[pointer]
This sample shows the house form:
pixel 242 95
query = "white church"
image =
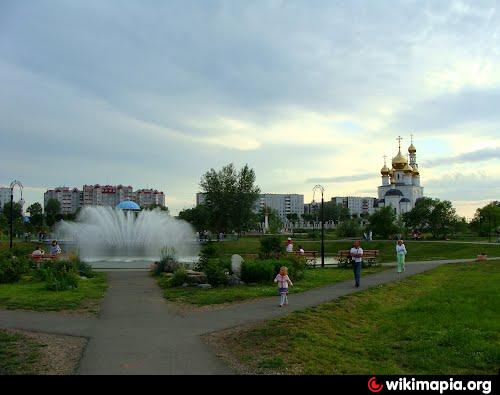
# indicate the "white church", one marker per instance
pixel 401 183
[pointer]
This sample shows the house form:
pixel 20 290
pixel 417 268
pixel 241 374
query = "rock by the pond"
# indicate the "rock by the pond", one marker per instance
pixel 205 286
pixel 195 277
pixel 236 261
pixel 235 280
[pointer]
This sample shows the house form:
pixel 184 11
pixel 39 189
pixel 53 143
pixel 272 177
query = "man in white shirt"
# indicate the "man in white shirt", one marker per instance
pixel 357 259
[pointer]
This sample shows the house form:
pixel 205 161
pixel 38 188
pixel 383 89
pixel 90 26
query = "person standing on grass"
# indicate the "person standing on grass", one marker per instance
pixel 356 259
pixel 289 245
pixel 283 280
pixel 400 255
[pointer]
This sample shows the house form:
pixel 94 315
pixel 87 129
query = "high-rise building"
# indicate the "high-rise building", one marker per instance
pixel 284 204
pixel 4 196
pixel 357 206
pixel 102 195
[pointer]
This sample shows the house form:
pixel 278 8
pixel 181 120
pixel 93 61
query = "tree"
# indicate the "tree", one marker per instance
pixel 36 214
pixel 229 197
pixel 155 206
pixel 17 211
pixel 198 216
pixel 52 210
pixel 335 212
pixel 486 219
pixel 432 215
pixel 382 222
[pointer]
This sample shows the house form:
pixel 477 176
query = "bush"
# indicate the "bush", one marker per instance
pixel 270 246
pixel 180 277
pixel 168 262
pixel 60 275
pixel 314 234
pixel 61 280
pixel 349 228
pixel 12 267
pixel 296 265
pixel 257 271
pixel 83 269
pixel 217 271
pixel 208 251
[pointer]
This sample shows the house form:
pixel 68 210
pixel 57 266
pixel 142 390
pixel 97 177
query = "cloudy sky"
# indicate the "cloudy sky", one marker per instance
pixel 155 93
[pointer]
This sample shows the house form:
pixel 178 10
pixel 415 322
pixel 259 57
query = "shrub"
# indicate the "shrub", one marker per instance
pixel 314 234
pixel 60 275
pixel 270 245
pixel 83 269
pixel 12 268
pixel 168 262
pixel 296 265
pixel 257 271
pixel 208 251
pixel 179 277
pixel 217 271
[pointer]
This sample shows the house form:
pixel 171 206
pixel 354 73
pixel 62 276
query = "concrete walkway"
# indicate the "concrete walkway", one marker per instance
pixel 137 332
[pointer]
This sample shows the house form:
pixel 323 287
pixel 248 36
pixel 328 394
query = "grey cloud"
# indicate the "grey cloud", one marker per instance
pixel 476 186
pixel 341 179
pixel 474 156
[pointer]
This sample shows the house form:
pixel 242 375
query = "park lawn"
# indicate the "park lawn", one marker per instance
pixel 313 278
pixel 18 354
pixel 417 250
pixel 33 296
pixel 445 321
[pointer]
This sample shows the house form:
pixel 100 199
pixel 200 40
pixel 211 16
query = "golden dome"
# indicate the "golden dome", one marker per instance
pixel 408 169
pixel 415 171
pixel 385 170
pixel 412 149
pixel 399 161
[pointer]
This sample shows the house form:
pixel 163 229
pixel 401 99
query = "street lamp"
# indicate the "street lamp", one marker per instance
pixel 322 190
pixel 12 185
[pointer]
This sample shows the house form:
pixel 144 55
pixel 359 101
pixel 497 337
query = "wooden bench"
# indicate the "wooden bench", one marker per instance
pixel 44 257
pixel 369 258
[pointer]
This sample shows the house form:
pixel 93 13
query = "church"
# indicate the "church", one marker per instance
pixel 401 183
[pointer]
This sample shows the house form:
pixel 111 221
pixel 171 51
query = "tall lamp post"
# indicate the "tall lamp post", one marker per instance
pixel 322 190
pixel 12 185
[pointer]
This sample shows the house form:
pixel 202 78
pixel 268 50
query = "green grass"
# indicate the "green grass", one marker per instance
pixel 18 353
pixel 33 295
pixel 313 278
pixel 417 250
pixel 445 321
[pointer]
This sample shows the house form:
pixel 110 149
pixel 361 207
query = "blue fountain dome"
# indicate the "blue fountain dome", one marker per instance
pixel 128 205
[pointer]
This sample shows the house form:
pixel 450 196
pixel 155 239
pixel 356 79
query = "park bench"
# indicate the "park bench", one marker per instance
pixel 44 257
pixel 369 258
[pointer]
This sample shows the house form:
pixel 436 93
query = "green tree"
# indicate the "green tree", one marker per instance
pixel 486 219
pixel 198 216
pixel 17 211
pixel 432 215
pixel 349 228
pixel 230 196
pixel 335 212
pixel 52 210
pixel 156 206
pixel 36 214
pixel 383 222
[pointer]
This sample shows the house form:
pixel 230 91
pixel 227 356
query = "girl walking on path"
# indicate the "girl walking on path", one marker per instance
pixel 283 280
pixel 400 254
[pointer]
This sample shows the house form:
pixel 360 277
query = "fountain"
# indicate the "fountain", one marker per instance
pixel 112 237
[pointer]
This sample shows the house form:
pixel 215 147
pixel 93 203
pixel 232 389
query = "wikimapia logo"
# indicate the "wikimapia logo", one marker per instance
pixel 404 384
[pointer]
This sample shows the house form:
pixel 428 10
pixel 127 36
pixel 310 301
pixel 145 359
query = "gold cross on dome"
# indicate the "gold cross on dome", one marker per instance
pixel 399 140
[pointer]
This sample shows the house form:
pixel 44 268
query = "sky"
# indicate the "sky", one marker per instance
pixel 155 93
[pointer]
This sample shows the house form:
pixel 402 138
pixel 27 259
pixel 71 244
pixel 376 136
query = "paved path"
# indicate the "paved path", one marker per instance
pixel 137 332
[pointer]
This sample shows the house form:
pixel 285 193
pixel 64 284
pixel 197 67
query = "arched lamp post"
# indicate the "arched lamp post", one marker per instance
pixel 12 185
pixel 322 190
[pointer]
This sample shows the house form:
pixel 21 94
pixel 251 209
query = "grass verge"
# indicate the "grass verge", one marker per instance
pixel 33 296
pixel 445 321
pixel 313 278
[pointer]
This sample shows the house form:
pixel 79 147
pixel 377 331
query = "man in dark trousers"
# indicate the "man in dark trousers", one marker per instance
pixel 356 259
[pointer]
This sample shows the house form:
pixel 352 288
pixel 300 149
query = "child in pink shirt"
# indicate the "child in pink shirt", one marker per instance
pixel 283 280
